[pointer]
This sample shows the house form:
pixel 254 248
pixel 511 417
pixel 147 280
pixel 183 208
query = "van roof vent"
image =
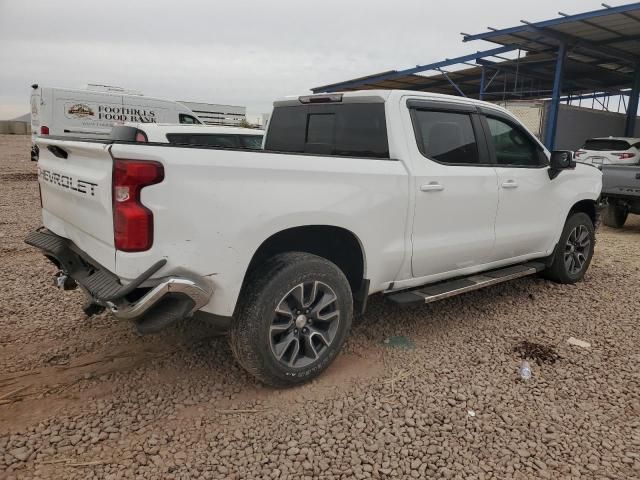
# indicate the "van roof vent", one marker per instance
pixel 94 87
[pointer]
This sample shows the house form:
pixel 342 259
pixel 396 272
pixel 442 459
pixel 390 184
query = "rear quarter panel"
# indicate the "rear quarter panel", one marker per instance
pixel 216 207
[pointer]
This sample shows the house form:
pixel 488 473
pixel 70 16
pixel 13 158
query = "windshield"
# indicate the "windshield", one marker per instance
pixel 606 145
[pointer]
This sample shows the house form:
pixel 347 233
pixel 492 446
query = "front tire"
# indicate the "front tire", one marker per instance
pixel 574 251
pixel 295 314
pixel 615 216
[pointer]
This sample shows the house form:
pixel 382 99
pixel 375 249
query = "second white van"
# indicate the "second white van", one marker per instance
pixel 93 111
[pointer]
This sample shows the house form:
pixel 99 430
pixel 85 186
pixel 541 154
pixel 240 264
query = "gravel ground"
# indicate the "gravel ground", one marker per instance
pixel 88 398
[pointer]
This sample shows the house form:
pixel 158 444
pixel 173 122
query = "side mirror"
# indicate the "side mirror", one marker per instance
pixel 560 160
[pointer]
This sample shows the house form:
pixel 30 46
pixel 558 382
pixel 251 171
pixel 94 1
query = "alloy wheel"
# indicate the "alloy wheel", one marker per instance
pixel 577 250
pixel 305 324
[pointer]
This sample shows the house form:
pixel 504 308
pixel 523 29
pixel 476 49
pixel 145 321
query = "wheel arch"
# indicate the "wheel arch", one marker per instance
pixel 587 206
pixel 336 244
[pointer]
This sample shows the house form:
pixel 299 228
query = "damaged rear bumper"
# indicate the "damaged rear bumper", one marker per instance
pixel 171 298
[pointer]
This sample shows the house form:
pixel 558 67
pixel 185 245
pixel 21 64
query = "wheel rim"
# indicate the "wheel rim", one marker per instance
pixel 305 324
pixel 577 249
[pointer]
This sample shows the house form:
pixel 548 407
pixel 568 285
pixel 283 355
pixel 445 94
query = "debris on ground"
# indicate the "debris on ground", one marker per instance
pixel 399 341
pixel 525 371
pixel 537 352
pixel 578 342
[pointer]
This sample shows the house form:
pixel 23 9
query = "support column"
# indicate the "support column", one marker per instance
pixel 632 110
pixel 483 79
pixel 552 123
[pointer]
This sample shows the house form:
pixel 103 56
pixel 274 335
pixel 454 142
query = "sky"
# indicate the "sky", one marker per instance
pixel 241 52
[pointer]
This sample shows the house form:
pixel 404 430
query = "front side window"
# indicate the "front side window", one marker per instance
pixel 446 137
pixel 512 145
pixel 188 119
pixel 338 129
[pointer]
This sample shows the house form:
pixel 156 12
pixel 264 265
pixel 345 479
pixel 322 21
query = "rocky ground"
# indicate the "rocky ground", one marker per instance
pixel 88 398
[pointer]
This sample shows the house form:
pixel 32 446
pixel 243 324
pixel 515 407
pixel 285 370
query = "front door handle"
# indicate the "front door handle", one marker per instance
pixel 510 184
pixel 431 187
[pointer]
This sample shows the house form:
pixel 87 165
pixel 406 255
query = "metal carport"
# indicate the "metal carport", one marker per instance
pixel 593 55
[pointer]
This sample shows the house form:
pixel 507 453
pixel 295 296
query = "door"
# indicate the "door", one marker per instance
pixel 456 190
pixel 525 223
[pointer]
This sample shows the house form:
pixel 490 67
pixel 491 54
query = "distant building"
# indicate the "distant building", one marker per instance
pixel 213 114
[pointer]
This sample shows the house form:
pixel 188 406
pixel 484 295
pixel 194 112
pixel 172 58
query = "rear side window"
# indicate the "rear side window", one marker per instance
pixel 446 137
pixel 602 145
pixel 353 130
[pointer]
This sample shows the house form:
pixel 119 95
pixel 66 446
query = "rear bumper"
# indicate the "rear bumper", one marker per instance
pixel 129 301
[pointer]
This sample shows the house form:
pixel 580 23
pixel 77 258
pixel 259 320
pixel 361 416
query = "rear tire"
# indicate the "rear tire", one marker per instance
pixel 574 251
pixel 615 216
pixel 295 314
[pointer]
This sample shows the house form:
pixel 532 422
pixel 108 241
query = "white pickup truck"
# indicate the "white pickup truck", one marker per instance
pixel 419 196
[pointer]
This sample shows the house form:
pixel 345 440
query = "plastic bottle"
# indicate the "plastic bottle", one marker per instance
pixel 525 371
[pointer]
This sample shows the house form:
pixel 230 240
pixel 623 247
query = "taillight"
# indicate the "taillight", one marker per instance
pixel 579 153
pixel 624 156
pixel 132 221
pixel 44 130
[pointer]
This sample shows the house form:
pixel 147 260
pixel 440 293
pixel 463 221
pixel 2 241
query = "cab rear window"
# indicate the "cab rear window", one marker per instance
pixel 606 145
pixel 353 130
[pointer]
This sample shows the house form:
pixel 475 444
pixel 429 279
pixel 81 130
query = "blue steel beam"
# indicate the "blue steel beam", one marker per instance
pixel 552 124
pixel 536 73
pixel 598 95
pixel 586 45
pixel 335 87
pixel 632 110
pixel 453 84
pixel 556 21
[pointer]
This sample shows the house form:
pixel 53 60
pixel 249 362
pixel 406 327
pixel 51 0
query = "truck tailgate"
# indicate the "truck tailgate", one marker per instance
pixel 76 195
pixel 621 180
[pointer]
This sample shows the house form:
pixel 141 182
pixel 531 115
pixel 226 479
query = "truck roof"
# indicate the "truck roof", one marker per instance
pixel 380 96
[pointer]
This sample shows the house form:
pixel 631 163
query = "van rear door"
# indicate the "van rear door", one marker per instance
pixel 75 182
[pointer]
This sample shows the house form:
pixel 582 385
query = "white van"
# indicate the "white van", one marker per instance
pixel 91 112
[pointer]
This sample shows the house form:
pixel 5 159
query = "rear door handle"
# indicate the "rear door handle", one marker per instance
pixel 510 184
pixel 431 187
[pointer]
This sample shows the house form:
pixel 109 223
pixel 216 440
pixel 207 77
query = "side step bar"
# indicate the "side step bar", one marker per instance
pixel 451 288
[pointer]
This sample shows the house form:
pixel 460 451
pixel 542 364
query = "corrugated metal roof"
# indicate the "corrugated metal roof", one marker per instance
pixel 603 54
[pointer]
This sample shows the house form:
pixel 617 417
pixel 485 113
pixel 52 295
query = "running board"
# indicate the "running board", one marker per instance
pixel 450 288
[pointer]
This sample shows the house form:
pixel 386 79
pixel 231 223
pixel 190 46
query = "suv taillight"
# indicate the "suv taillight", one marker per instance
pixel 624 156
pixel 132 221
pixel 44 130
pixel 580 153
